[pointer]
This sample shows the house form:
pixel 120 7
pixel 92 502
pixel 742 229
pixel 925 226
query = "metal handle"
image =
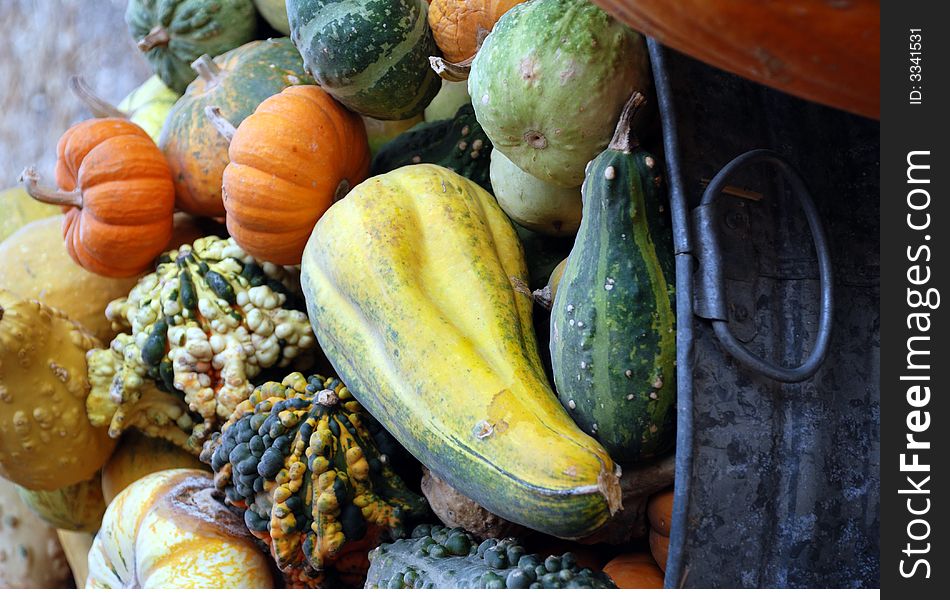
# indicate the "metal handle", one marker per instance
pixel 712 304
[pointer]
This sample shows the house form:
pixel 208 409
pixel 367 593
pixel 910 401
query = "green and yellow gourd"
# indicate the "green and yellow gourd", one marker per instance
pixel 371 56
pixel 442 558
pixel 613 339
pixel 549 82
pixel 173 33
pixel 458 144
pixel 301 456
pixel 409 282
pixel 76 507
pixel 149 104
pixel 17 208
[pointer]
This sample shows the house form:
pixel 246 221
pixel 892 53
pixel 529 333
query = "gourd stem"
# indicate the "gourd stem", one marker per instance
pixel 543 297
pixel 96 105
pixel 450 71
pixel 155 38
pixel 327 398
pixel 206 68
pixel 31 181
pixel 624 139
pixel 342 189
pixel 224 127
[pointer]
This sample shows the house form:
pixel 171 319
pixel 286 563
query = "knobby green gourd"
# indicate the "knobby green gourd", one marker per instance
pixel 613 320
pixel 443 558
pixel 307 464
pixel 173 33
pixel 549 82
pixel 372 56
pixel 458 144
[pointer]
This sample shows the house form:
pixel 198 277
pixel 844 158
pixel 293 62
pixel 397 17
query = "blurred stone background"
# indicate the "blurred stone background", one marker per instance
pixel 46 41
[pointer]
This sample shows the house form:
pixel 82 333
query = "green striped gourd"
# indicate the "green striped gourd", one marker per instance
pixel 371 55
pixel 612 323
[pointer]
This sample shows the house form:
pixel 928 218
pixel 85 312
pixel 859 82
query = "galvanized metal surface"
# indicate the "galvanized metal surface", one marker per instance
pixel 777 485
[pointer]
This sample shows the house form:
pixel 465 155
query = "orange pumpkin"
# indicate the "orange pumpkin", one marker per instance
pixel 118 195
pixel 660 512
pixel 295 156
pixel 659 548
pixel 459 26
pixel 636 570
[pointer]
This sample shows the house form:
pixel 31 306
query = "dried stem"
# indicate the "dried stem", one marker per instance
pixel 206 68
pixel 624 139
pixel 96 105
pixel 450 71
pixel 155 38
pixel 31 181
pixel 224 127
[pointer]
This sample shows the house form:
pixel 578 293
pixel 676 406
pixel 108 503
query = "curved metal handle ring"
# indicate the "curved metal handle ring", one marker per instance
pixel 721 327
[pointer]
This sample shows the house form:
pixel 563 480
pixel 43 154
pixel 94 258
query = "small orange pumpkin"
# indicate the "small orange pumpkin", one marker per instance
pixel 659 548
pixel 636 570
pixel 297 154
pixel 459 26
pixel 660 511
pixel 117 192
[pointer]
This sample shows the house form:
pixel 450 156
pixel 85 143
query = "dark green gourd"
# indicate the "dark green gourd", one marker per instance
pixel 613 339
pixel 443 558
pixel 372 56
pixel 458 144
pixel 173 33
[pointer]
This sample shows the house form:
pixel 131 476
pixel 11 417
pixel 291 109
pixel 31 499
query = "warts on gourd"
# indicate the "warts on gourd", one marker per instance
pixel 304 460
pixel 203 325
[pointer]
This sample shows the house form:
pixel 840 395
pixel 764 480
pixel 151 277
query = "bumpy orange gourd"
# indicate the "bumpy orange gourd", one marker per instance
pixel 458 26
pixel 296 155
pixel 118 194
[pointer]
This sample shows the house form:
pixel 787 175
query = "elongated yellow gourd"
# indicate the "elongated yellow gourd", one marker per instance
pixel 411 289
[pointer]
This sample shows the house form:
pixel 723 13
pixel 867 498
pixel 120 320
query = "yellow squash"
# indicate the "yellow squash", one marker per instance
pixel 410 288
pixel 46 440
pixel 17 209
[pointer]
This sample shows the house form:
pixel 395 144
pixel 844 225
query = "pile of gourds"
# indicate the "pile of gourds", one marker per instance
pixel 265 208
